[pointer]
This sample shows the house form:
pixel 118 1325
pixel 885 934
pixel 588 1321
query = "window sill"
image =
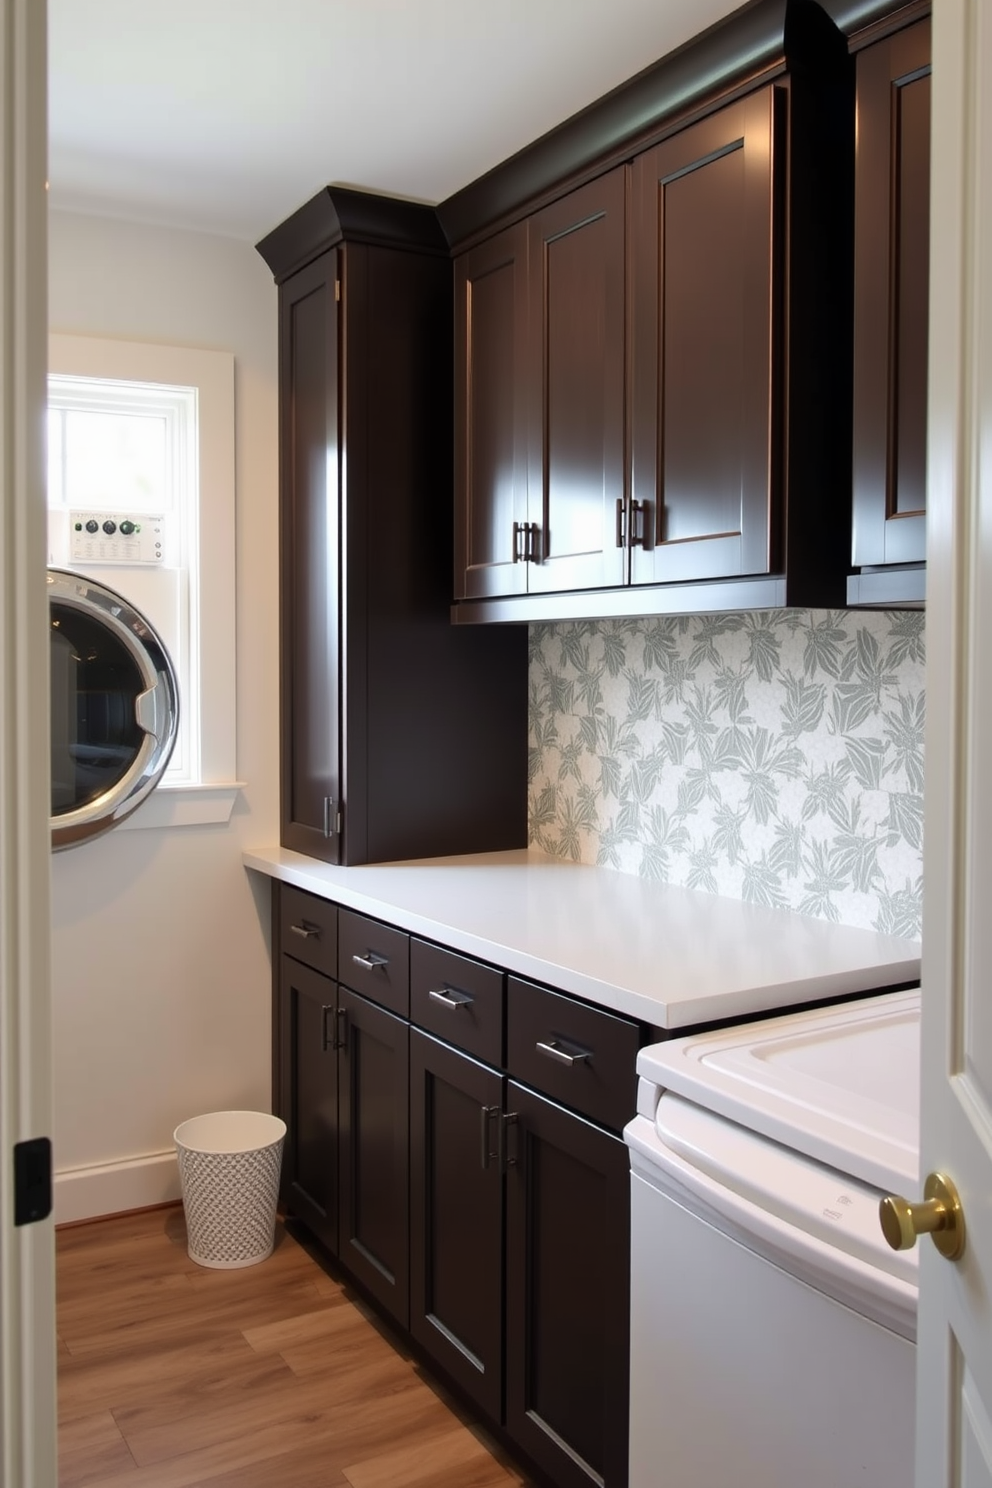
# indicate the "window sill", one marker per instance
pixel 185 806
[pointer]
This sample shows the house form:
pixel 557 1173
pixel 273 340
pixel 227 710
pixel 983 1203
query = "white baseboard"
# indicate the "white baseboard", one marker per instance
pixel 112 1188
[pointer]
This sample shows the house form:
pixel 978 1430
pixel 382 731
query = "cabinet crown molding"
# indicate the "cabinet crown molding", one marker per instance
pixel 340 214
pixel 755 44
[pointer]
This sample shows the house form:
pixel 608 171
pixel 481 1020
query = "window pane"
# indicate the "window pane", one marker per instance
pixel 115 459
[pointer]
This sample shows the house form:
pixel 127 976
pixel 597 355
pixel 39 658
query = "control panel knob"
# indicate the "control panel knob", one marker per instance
pixel 109 527
pixel 92 526
pixel 126 528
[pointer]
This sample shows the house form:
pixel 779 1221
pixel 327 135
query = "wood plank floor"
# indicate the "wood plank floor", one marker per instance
pixel 276 1376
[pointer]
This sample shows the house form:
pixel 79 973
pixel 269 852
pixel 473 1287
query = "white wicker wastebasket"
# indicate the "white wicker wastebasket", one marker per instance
pixel 229 1167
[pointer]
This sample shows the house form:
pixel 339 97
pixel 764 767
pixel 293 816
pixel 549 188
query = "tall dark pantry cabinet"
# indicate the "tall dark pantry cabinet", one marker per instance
pixel 400 736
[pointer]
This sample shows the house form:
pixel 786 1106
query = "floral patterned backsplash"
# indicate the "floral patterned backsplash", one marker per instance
pixel 770 756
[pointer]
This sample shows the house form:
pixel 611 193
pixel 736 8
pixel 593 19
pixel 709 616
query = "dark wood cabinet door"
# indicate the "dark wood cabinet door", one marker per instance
pixel 891 291
pixel 456 1217
pixel 567 1293
pixel 704 420
pixel 490 416
pixel 309 1097
pixel 576 393
pixel 309 559
pixel 374 1191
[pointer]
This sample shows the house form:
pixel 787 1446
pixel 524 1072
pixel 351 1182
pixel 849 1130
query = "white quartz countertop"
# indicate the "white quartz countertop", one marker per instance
pixel 669 956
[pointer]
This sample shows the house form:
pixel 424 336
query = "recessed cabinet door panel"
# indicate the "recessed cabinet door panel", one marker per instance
pixel 567 1270
pixel 703 417
pixel 309 1097
pixel 490 414
pixel 577 396
pixel 456 1218
pixel 892 268
pixel 310 671
pixel 374 1126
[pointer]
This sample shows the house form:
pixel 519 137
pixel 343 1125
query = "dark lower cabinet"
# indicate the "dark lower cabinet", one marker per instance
pixel 308 1079
pixel 343 1080
pixel 488 1219
pixel 456 1214
pixel 567 1293
pixel 372 1143
pixel 556 1289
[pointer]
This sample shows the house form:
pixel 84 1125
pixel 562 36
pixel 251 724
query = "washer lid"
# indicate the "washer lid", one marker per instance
pixel 840 1084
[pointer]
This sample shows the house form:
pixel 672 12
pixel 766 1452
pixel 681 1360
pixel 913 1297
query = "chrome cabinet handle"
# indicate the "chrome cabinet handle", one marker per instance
pixel 509 1127
pixel 552 1050
pixel 306 930
pixel 450 997
pixel 341 1028
pixel 487 1113
pixel 338 1038
pixel 527 551
pixel 632 538
pixel 370 960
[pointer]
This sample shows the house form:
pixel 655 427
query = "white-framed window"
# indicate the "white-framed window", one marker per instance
pixel 144 433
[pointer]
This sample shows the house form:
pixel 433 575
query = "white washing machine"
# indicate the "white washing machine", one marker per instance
pixel 772 1329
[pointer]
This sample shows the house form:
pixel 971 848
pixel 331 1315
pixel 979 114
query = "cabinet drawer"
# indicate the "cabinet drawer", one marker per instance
pixel 458 1000
pixel 374 959
pixel 577 1054
pixel 308 929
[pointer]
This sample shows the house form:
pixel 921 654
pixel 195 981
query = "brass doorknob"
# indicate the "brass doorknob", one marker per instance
pixel 940 1215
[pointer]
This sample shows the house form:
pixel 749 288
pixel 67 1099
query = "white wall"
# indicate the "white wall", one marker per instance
pixel 160 939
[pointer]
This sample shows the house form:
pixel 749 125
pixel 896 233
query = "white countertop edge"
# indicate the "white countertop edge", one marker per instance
pixel 846 959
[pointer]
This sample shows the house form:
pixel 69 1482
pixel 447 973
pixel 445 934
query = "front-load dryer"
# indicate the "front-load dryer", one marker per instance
pixel 114 707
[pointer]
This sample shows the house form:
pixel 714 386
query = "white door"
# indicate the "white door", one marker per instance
pixel 27 1276
pixel 954 1360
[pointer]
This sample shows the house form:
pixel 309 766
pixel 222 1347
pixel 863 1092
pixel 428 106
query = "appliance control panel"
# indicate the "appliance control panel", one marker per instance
pixel 116 537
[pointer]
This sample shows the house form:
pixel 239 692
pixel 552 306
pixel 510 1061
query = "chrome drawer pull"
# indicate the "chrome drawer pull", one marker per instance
pixel 306 930
pixel 561 1055
pixel 370 960
pixel 450 998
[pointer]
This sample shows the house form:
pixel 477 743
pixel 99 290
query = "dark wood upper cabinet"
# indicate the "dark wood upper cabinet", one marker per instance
pixel 310 454
pixel 892 229
pixel 706 212
pixel 688 356
pixel 576 396
pixel 400 736
pixel 539 338
pixel 491 416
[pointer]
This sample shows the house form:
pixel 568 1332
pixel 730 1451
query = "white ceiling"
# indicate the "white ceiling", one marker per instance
pixel 225 115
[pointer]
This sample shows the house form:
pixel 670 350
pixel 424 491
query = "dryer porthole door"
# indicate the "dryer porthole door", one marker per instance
pixel 114 707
